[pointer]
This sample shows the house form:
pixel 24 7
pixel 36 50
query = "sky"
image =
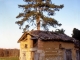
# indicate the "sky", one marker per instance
pixel 69 16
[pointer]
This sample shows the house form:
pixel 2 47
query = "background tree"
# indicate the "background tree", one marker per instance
pixel 9 52
pixel 76 34
pixel 1 53
pixel 38 13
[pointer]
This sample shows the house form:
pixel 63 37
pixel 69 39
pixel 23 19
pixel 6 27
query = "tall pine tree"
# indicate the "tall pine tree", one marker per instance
pixel 38 11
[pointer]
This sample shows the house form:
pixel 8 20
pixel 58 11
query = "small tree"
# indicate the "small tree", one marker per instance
pixel 38 11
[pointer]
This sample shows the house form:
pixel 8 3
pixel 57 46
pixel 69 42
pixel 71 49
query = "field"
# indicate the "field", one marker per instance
pixel 9 58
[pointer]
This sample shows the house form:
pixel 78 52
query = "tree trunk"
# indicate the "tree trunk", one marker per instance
pixel 38 23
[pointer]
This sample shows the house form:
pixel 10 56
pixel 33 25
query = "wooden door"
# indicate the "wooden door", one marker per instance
pixel 36 56
pixel 68 54
pixel 77 54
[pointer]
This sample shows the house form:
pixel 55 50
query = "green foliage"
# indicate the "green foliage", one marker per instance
pixel 33 9
pixel 9 58
pixel 76 34
pixel 60 31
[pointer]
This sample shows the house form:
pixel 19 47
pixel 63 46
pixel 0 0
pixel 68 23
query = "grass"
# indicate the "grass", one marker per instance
pixel 9 58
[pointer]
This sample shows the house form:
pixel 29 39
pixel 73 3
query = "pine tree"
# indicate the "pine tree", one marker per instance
pixel 38 11
pixel 60 31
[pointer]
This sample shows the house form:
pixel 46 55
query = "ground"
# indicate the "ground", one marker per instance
pixel 9 58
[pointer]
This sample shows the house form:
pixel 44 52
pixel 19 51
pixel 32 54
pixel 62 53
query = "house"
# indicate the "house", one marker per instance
pixel 47 45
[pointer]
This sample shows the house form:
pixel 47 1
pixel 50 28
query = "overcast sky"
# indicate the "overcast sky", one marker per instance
pixel 69 16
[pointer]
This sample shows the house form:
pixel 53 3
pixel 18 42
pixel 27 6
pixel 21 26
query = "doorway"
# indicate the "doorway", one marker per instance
pixel 77 54
pixel 68 54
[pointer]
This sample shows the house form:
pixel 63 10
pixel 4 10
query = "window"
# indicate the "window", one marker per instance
pixel 25 45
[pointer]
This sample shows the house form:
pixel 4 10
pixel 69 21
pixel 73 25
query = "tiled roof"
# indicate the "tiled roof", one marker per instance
pixel 48 35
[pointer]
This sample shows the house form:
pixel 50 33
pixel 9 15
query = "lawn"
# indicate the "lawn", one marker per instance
pixel 9 58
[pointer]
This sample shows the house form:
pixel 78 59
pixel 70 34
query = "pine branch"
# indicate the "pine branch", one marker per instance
pixel 34 9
